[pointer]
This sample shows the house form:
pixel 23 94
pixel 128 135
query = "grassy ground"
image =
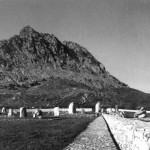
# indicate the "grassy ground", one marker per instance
pixel 45 134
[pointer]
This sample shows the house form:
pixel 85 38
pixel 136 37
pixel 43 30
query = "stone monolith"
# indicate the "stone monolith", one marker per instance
pixel 3 110
pixel 97 107
pixel 71 108
pixel 10 112
pixel 23 112
pixel 56 111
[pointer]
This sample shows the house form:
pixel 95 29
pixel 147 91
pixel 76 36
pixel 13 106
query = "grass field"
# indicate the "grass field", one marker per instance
pixel 45 134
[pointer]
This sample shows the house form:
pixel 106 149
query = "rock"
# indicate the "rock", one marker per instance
pixel 3 110
pixel 23 112
pixel 97 107
pixel 71 108
pixel 109 110
pixel 34 115
pixel 82 111
pixel 10 112
pixel 56 111
pixel 21 53
pixel 38 114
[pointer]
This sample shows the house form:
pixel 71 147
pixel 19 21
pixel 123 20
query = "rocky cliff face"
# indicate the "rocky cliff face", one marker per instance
pixel 31 56
pixel 48 72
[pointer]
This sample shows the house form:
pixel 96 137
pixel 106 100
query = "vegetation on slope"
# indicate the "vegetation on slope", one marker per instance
pixel 38 70
pixel 32 56
pixel 59 92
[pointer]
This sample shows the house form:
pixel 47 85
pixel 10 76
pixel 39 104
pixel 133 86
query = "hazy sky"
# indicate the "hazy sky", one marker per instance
pixel 116 32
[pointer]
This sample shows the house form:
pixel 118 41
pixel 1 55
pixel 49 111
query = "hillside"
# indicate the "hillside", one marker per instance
pixel 38 70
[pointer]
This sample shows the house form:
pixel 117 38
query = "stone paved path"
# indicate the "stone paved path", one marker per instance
pixel 95 137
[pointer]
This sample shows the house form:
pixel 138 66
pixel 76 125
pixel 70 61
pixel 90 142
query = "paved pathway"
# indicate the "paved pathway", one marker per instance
pixel 95 137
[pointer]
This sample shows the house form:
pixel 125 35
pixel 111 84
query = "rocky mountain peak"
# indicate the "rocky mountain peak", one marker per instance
pixel 48 72
pixel 26 32
pixel 26 57
pixel 27 28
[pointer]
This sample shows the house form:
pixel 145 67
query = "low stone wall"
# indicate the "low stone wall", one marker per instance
pixel 130 134
pixel 52 110
pixel 129 110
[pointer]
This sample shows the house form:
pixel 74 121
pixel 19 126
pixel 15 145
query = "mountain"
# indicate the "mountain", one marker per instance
pixel 38 70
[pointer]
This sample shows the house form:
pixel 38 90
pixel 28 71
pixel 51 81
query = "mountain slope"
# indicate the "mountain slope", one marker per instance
pixel 37 69
pixel 23 55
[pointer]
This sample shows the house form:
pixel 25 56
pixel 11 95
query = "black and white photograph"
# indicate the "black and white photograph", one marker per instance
pixel 74 74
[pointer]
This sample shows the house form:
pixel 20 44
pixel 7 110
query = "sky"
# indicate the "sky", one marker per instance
pixel 116 32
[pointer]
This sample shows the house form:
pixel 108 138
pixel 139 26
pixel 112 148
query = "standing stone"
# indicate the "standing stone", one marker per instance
pixel 82 111
pixel 38 113
pixel 3 110
pixel 71 108
pixel 10 112
pixel 109 110
pixel 113 110
pixel 116 109
pixel 23 112
pixel 56 111
pixel 34 115
pixel 97 107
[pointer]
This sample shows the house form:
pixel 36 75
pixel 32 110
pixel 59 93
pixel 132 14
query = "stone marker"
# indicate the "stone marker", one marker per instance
pixel 113 110
pixel 109 110
pixel 56 111
pixel 34 115
pixel 82 111
pixel 3 110
pixel 38 113
pixel 97 107
pixel 116 109
pixel 71 108
pixel 23 112
pixel 10 112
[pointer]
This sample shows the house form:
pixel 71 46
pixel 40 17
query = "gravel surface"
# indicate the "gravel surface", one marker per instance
pixel 95 137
